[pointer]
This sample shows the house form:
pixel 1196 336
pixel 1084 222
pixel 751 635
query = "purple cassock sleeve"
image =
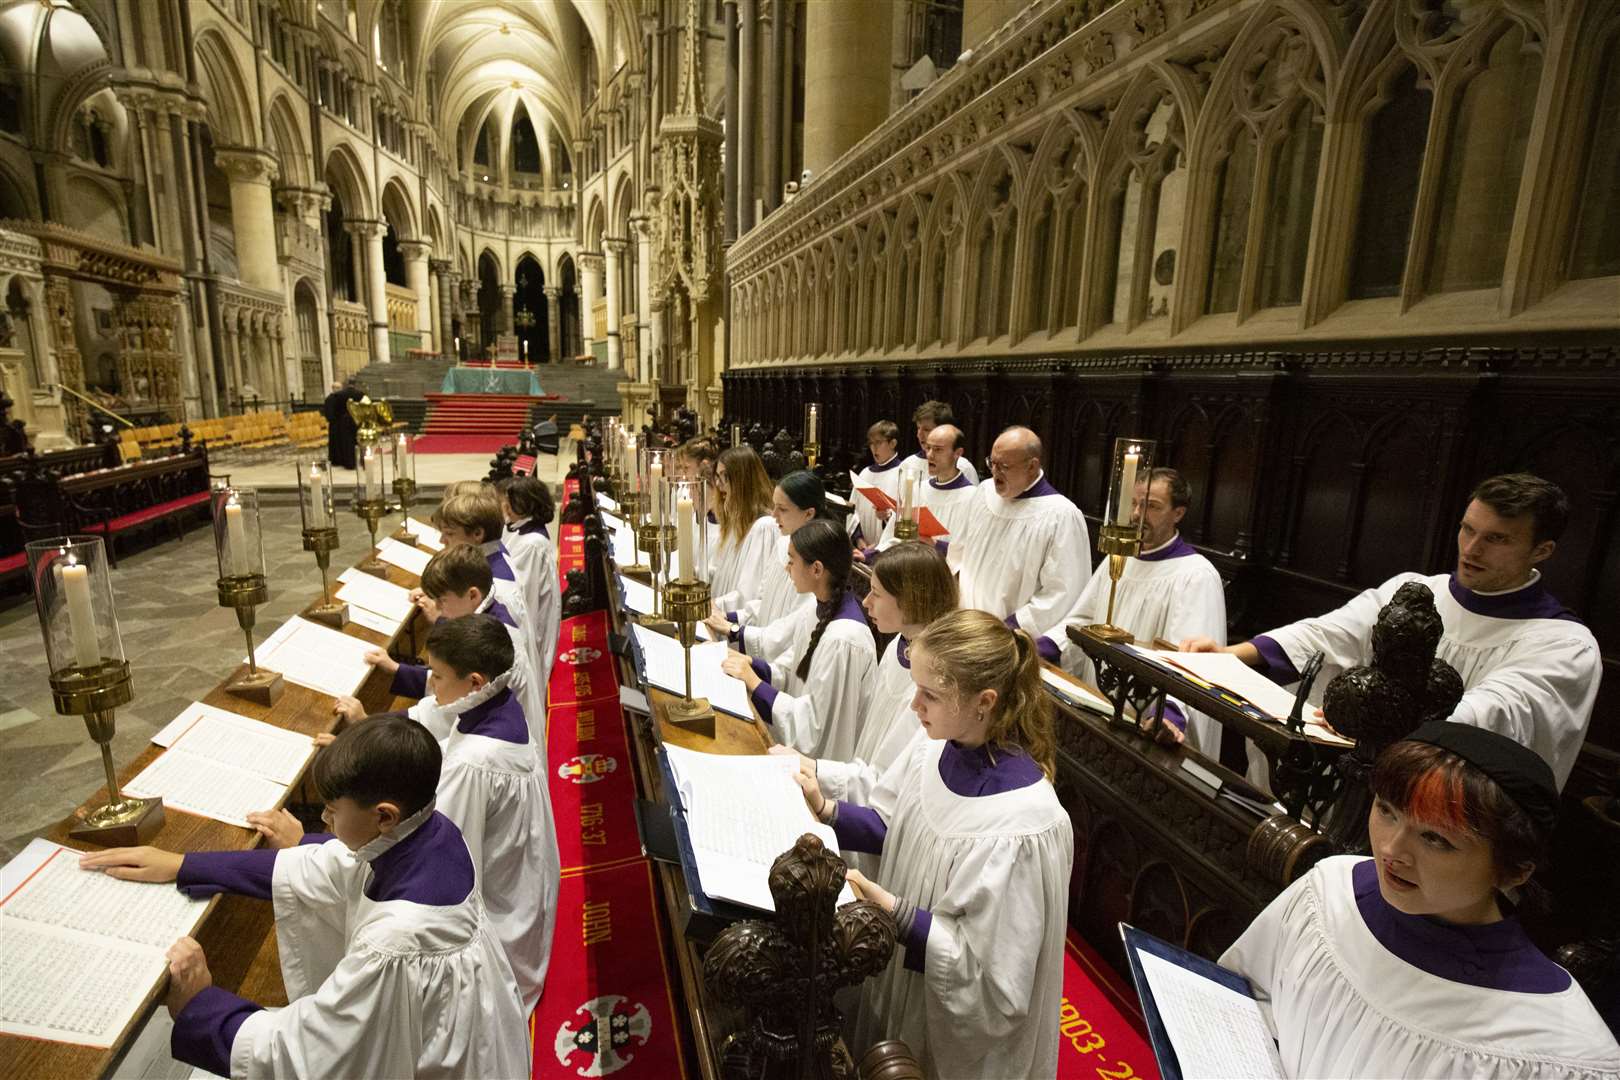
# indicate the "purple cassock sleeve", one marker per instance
pixel 916 939
pixel 246 873
pixel 1011 621
pixel 410 681
pixel 1048 649
pixel 1173 713
pixel 859 828
pixel 1274 661
pixel 206 1028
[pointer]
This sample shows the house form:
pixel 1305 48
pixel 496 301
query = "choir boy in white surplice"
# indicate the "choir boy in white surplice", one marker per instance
pixel 762 628
pixel 1409 963
pixel 815 695
pixel 389 960
pixel 928 416
pixel 975 856
pixel 911 586
pixel 1024 553
pixel 1169 591
pixel 474 519
pixel 527 506
pixel 1530 668
pixel 883 439
pixel 493 785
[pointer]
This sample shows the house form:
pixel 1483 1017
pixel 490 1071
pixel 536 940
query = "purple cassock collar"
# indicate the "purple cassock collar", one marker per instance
pixel 902 651
pixel 499 568
pixel 893 463
pixel 499 612
pixel 501 717
pixel 430 866
pixel 1177 548
pixel 1496 956
pixel 973 772
pixel 1040 488
pixel 848 608
pixel 961 481
pixel 530 527
pixel 1531 602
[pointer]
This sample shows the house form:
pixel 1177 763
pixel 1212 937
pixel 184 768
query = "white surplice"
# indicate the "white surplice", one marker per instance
pixel 884 477
pixel 765 628
pixel 1172 593
pixel 951 503
pixel 495 791
pixel 1028 557
pixel 1341 1004
pixel 821 714
pixel 737 571
pixel 886 730
pixel 1532 679
pixel 387 988
pixel 993 872
pixel 534 561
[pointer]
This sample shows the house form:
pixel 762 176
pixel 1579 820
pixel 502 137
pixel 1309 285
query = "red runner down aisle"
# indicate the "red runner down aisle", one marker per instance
pixel 607 1009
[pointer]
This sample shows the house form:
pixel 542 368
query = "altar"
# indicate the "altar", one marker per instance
pixel 491 380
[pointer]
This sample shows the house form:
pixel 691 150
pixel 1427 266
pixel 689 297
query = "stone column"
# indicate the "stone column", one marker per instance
pixel 642 228
pixel 436 327
pixel 508 322
pixel 554 323
pixel 846 76
pixel 371 232
pixel 416 272
pixel 772 48
pixel 747 111
pixel 253 217
pixel 732 104
pixel 590 291
pixel 444 291
pixel 614 249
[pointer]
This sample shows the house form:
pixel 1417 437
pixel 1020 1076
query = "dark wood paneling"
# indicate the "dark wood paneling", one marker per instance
pixel 1314 474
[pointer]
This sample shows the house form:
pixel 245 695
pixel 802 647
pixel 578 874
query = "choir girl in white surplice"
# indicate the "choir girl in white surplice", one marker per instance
pixel 761 628
pixel 1411 962
pixel 815 694
pixel 744 532
pixel 976 854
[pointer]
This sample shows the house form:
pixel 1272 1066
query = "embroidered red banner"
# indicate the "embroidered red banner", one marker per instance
pixel 1099 1023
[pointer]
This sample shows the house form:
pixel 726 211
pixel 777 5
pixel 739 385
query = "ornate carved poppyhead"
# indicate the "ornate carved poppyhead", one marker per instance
pixel 1406 635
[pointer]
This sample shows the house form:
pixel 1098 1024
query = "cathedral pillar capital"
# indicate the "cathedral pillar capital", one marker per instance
pixel 364 229
pixel 415 250
pixel 246 164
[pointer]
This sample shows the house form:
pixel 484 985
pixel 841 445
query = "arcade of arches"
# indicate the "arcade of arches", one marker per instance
pixel 204 201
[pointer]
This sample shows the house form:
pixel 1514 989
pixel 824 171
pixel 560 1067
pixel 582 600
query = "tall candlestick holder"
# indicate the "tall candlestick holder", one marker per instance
pixel 372 418
pixel 320 536
pixel 812 433
pixel 404 448
pixel 239 548
pixel 1121 534
pixel 687 599
pixel 89 674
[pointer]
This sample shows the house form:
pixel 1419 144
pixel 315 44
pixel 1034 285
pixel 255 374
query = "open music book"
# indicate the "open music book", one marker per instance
pixel 881 500
pixel 80 950
pixel 1202 1019
pixel 315 656
pixel 1226 672
pixel 359 589
pixel 412 560
pixel 223 766
pixel 639 598
pixel 663 666
pixel 742 812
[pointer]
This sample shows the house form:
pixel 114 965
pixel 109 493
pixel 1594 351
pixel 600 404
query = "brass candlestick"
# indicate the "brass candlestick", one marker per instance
pixel 372 511
pixel 905 528
pixel 333 613
pixel 1121 534
pixel 656 542
pixel 632 504
pixel 686 603
pixel 810 451
pixel 245 594
pixel 1118 544
pixel 89 674
pixel 405 492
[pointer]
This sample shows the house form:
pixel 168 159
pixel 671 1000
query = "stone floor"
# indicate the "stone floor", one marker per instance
pixel 179 642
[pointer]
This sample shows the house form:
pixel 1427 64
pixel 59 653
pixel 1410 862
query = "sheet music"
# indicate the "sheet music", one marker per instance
pixel 203 786
pixel 665 669
pixel 742 812
pixel 1228 672
pixel 425 534
pixel 622 540
pixel 316 656
pixel 1075 693
pixel 637 597
pixel 238 741
pixel 1216 1031
pixel 79 951
pixel 412 560
pixel 605 503
pixel 389 601
pixel 880 499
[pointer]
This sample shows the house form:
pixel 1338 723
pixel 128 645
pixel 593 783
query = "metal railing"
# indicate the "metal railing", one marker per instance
pixel 94 404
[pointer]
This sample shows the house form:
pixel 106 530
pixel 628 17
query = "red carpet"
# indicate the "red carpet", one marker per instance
pixel 462 444
pixel 487 416
pixel 1100 1025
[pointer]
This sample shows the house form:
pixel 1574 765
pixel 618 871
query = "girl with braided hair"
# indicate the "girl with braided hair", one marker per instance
pixel 816 692
pixel 975 854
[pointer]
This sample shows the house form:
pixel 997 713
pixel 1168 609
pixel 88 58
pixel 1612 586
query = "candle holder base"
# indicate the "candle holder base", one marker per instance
pixel 373 566
pixel 335 615
pixel 404 536
pixel 260 687
pixel 693 715
pixel 1111 634
pixel 905 529
pixel 129 822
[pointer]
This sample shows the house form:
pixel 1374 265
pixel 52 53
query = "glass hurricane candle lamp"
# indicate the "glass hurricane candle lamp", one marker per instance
pixel 320 535
pixel 687 599
pixel 403 445
pixel 1121 535
pixel 239 548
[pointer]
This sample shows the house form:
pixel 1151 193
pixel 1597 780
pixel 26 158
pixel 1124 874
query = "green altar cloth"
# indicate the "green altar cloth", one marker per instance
pixel 471 380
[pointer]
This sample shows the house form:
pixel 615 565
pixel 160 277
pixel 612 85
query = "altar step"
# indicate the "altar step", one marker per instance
pixel 478 414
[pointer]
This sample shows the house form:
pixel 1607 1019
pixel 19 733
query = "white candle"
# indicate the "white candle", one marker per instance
pixel 317 499
pixel 906 493
pixel 656 473
pixel 1127 489
pixel 685 526
pixel 236 539
pixel 812 425
pixel 373 473
pixel 81 616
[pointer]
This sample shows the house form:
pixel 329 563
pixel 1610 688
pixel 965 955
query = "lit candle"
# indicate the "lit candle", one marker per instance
pixel 81 616
pixel 236 538
pixel 373 473
pixel 685 527
pixel 906 493
pixel 736 435
pixel 317 499
pixel 656 475
pixel 812 426
pixel 1127 489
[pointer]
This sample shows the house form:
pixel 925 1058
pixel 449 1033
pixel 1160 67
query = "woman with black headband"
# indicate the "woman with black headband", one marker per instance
pixel 1411 963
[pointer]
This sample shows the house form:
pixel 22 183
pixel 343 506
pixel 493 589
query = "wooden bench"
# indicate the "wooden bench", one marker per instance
pixel 55 463
pixel 112 502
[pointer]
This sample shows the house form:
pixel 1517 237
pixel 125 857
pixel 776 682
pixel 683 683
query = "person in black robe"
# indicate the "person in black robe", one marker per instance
pixel 340 426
